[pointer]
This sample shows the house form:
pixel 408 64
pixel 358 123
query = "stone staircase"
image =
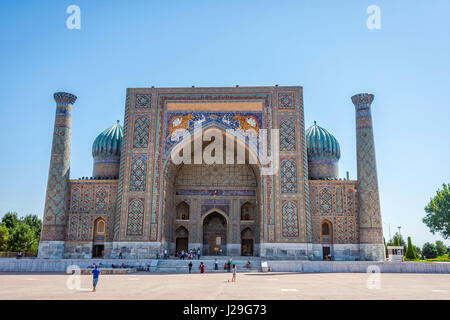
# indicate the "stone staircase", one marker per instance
pixel 181 266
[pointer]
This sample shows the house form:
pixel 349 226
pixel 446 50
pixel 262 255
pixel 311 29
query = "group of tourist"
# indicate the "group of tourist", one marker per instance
pixel 230 266
pixel 113 266
pixel 189 255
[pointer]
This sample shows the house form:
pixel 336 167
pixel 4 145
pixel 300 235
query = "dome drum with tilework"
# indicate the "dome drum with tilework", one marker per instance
pixel 106 152
pixel 323 153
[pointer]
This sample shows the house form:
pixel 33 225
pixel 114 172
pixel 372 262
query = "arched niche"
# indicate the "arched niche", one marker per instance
pixel 182 211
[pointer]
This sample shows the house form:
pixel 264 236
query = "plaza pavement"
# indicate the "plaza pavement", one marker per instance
pixel 213 286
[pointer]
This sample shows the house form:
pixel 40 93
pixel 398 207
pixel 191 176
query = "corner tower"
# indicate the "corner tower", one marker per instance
pixel 51 244
pixel 370 226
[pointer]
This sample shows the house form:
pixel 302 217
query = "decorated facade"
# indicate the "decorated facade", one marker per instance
pixel 140 201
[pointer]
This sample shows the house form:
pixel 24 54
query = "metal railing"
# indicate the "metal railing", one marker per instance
pixel 11 254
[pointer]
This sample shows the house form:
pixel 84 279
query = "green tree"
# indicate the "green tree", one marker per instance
pixel 34 222
pixel 11 220
pixel 22 238
pixel 438 212
pixel 441 248
pixel 410 253
pixel 22 233
pixel 418 251
pixel 396 241
pixel 429 250
pixel 4 233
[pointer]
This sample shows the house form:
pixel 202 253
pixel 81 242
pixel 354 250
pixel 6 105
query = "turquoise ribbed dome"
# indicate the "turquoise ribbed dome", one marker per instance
pixel 321 144
pixel 109 142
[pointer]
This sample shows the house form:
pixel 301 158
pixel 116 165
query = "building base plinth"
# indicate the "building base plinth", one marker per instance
pixel 372 252
pixel 135 250
pixel 296 251
pixel 51 249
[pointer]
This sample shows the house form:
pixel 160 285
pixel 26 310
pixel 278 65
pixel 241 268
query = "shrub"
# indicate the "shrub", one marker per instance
pixel 429 250
pixel 410 253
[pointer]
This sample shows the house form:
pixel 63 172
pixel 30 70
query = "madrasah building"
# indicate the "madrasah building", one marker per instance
pixel 140 202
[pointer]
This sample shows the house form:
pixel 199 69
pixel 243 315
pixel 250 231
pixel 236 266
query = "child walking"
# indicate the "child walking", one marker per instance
pixel 95 273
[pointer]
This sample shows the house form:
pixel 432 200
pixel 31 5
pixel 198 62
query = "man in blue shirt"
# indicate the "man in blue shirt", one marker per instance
pixel 95 273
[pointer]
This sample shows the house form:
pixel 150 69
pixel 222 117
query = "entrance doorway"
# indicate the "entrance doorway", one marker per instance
pixel 247 242
pixel 98 251
pixel 325 252
pixel 181 240
pixel 181 244
pixel 214 234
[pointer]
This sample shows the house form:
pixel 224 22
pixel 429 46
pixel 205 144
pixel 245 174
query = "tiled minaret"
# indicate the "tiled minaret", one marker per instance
pixel 370 226
pixel 51 244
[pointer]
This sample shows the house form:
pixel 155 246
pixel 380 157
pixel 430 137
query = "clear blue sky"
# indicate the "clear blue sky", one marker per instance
pixel 323 46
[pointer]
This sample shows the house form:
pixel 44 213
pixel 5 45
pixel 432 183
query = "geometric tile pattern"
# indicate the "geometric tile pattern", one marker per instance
pixel 76 199
pixel 286 101
pixel 141 132
pixel 85 228
pixel 340 229
pixel 288 176
pixel 101 199
pixel 325 201
pixel 138 173
pixel 217 175
pixel 367 178
pixel 350 202
pixel 339 201
pixel 135 219
pixel 87 198
pixel 290 219
pixel 351 230
pixel 287 135
pixel 143 100
pixel 73 228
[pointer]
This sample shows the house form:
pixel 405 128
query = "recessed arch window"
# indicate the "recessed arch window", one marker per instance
pixel 100 226
pixel 182 211
pixel 247 211
pixel 326 228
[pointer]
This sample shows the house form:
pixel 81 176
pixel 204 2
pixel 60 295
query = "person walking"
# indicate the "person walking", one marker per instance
pixel 202 267
pixel 95 274
pixel 233 279
pixel 216 265
pixel 198 253
pixel 182 254
pixel 120 254
pixel 229 265
pixel 190 266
